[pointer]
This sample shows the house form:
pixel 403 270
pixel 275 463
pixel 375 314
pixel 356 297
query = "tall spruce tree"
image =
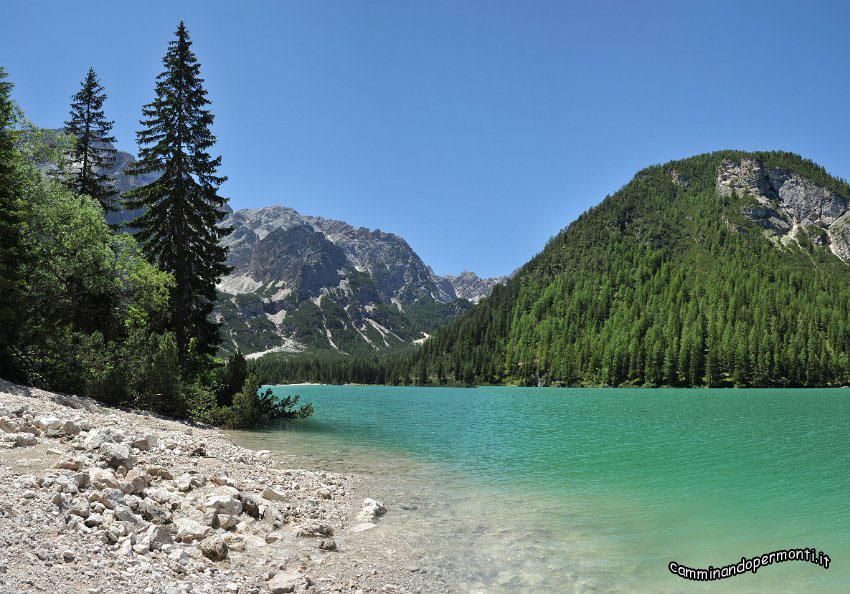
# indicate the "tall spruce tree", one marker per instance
pixel 11 216
pixel 92 152
pixel 180 227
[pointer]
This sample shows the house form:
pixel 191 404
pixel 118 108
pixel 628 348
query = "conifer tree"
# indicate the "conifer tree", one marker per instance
pixel 179 229
pixel 92 151
pixel 11 215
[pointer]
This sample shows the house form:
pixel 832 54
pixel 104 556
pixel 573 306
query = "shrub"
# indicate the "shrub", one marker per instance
pixel 252 407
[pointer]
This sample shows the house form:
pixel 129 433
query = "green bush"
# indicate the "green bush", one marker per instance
pixel 251 407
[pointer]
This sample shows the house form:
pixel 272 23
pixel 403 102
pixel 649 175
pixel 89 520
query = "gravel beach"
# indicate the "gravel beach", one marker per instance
pixel 102 500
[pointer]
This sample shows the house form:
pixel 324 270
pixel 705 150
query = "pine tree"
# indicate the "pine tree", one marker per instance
pixel 11 215
pixel 92 151
pixel 179 229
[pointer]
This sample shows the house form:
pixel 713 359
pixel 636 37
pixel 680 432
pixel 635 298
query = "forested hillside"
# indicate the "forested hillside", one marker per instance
pixel 724 269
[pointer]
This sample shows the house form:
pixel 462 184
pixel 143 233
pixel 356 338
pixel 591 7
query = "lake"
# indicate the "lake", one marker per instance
pixel 561 489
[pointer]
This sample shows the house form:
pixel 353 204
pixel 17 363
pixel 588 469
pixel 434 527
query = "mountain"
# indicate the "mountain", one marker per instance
pixel 309 283
pixel 302 282
pixel 468 285
pixel 724 269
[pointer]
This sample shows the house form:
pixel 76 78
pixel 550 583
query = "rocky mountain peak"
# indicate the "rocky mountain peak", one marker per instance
pixel 303 281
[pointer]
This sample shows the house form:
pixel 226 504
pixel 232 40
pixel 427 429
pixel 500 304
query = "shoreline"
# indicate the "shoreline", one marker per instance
pixel 100 499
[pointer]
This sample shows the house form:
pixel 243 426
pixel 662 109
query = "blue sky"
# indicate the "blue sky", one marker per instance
pixel 474 129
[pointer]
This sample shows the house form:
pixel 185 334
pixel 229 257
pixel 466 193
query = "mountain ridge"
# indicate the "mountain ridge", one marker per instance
pixel 383 294
pixel 722 269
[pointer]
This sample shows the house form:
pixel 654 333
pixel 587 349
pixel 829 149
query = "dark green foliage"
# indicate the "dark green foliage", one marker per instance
pixel 179 230
pixel 251 406
pixel 660 284
pixel 426 315
pixel 232 378
pixel 11 244
pixel 141 370
pixel 92 151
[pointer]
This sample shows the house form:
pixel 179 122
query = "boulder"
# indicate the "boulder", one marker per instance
pixel 284 582
pixel 24 440
pixel 372 508
pixel 273 537
pixel 160 472
pixel 101 478
pixel 154 512
pixel 9 425
pixel 226 522
pixel 156 537
pixel 145 443
pixel 46 423
pixel 189 530
pixel 186 482
pixel 69 428
pixel 123 513
pixel 70 462
pixel 275 493
pixel 250 505
pixel 315 529
pixel 98 437
pixel 327 544
pixel 135 482
pixel 116 455
pixel 224 504
pixel 214 548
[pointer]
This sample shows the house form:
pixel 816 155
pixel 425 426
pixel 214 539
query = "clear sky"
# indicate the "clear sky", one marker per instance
pixel 474 129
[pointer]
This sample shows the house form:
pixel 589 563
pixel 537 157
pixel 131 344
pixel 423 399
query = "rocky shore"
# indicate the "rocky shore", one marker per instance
pixel 101 500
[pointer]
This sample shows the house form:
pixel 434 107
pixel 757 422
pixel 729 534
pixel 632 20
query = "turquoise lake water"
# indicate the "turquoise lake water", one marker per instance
pixel 539 489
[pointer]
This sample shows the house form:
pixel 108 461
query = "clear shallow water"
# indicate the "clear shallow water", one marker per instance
pixel 595 489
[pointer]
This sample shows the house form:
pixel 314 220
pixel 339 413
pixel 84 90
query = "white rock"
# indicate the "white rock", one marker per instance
pixel 223 504
pixel 226 521
pixel 178 555
pixel 156 536
pixel 284 582
pixel 70 462
pixel 123 513
pixel 373 507
pixel 9 425
pixel 45 423
pixel 70 428
pixel 102 478
pixel 24 440
pixel 189 530
pixel 126 548
pixel 98 437
pixel 274 493
pixel 148 442
pixel 273 537
pixel 116 455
